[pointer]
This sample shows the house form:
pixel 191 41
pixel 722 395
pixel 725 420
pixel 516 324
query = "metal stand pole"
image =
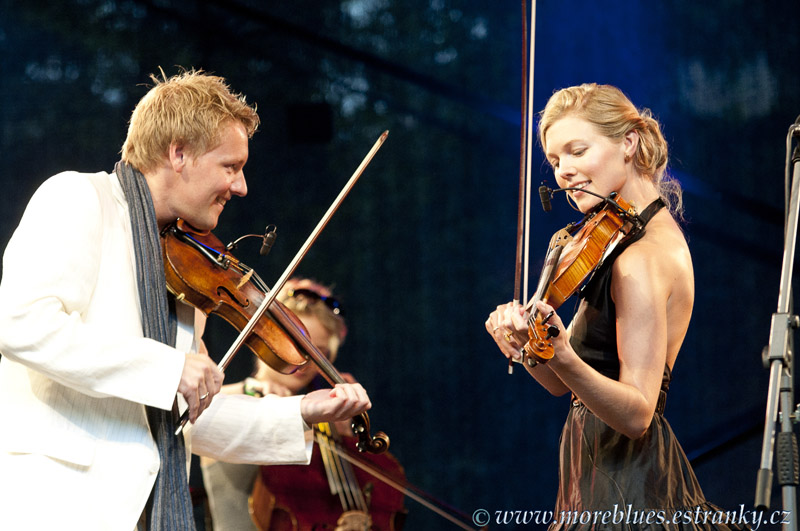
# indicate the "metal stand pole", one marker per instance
pixel 778 357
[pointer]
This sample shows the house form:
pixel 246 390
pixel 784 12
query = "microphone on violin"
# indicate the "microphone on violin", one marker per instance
pixel 269 240
pixel 545 194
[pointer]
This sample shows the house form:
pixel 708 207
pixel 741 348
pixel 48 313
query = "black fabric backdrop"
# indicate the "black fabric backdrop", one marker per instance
pixel 423 248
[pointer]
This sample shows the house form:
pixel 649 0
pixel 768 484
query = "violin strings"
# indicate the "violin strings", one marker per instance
pixel 334 482
pixel 347 486
pixel 352 483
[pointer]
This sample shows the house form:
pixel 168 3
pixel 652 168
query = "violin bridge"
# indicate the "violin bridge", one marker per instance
pixel 245 279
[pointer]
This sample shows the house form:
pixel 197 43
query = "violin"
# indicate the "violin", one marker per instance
pixel 329 493
pixel 200 272
pixel 573 254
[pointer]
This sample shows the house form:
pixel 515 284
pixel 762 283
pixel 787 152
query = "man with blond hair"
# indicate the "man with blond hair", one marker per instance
pixel 97 359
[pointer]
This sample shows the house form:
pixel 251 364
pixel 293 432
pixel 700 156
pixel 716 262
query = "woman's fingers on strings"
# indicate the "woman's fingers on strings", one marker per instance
pixel 543 307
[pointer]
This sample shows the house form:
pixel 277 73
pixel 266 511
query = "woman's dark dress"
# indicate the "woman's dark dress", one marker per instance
pixel 602 470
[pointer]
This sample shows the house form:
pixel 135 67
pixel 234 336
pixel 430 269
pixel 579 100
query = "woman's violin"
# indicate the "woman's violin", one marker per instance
pixel 201 272
pixel 573 254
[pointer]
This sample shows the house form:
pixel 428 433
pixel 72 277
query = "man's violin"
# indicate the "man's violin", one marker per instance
pixel 200 272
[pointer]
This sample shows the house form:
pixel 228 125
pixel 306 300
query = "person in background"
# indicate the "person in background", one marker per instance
pixel 228 485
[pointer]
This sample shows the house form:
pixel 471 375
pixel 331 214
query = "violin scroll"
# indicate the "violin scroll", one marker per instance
pixel 374 444
pixel 539 348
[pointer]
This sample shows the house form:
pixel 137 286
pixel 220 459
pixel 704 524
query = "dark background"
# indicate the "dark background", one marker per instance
pixel 423 248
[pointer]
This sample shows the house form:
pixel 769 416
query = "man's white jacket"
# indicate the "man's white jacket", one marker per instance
pixel 75 448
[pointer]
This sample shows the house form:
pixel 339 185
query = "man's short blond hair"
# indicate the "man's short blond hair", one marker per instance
pixel 191 109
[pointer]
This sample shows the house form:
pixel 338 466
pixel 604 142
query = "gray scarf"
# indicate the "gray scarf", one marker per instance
pixel 170 506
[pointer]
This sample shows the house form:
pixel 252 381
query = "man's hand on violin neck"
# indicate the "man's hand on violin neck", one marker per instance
pixel 343 402
pixel 201 379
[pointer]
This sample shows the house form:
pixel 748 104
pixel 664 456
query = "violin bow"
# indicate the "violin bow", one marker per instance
pixel 526 141
pixel 290 269
pixel 273 293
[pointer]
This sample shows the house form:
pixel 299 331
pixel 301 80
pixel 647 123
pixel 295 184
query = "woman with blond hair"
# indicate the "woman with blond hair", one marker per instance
pixel 621 465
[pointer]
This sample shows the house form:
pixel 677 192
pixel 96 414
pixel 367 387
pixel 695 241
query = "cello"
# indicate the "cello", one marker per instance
pixel 373 472
pixel 329 493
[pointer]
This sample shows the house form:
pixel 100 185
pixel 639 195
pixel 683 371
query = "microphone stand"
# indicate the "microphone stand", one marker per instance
pixel 778 357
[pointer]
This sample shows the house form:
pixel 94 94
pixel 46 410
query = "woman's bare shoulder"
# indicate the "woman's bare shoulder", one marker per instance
pixel 661 256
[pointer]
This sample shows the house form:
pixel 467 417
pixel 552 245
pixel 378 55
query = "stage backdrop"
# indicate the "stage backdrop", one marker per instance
pixel 423 248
